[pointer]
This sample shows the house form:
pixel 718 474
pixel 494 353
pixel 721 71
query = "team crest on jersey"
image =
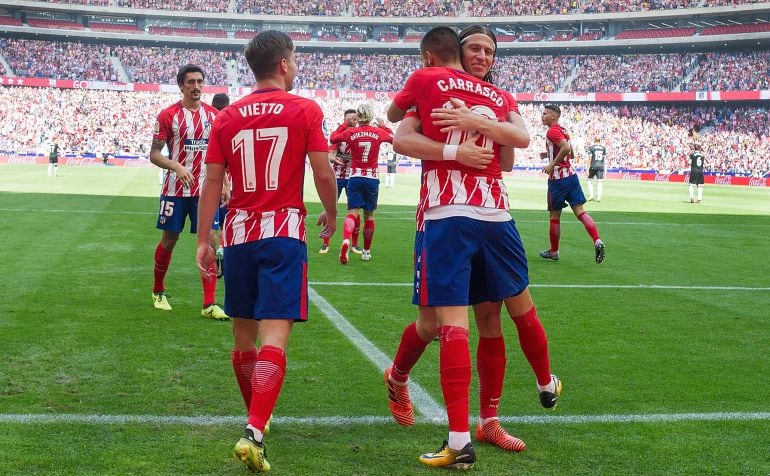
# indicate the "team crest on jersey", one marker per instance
pixel 326 130
pixel 206 125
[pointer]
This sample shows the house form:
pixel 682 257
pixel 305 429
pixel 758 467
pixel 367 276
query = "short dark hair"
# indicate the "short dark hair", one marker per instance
pixel 188 68
pixel 443 42
pixel 220 101
pixel 266 50
pixel 349 111
pixel 481 30
pixel 554 108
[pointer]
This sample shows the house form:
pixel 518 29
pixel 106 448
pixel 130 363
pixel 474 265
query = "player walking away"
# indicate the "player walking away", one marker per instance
pixel 696 173
pixel 340 160
pixel 184 128
pixel 263 139
pixel 53 158
pixel 390 178
pixel 219 102
pixel 363 185
pixel 563 185
pixel 597 154
pixel 478 50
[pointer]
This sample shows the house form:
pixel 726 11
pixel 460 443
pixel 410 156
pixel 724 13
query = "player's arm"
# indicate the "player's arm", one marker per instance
pixel 160 160
pixel 460 118
pixel 208 204
pixel 326 186
pixel 409 141
pixel 339 135
pixel 507 158
pixel 395 113
pixel 564 149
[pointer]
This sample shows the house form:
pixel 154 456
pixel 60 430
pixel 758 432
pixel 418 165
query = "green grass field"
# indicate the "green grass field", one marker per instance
pixel 663 349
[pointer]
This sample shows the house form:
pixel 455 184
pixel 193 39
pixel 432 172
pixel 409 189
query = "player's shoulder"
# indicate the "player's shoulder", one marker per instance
pixel 171 109
pixel 208 108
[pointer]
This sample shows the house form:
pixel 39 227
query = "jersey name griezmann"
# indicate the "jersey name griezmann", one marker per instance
pixel 260 108
pixel 471 87
pixel 369 134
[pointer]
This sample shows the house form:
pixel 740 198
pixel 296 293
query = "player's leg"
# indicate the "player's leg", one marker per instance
pixel 691 189
pixel 369 227
pixel 490 366
pixel 700 192
pixel 599 187
pixel 449 249
pixel 591 229
pixel 414 340
pixel 557 193
pixel 355 190
pixel 210 309
pixel 591 186
pixel 171 218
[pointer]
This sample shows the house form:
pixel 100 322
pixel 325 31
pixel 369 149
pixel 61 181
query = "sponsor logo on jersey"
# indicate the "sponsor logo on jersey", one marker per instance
pixel 196 145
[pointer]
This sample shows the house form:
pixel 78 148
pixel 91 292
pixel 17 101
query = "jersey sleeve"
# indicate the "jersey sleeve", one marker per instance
pixel 162 130
pixel 513 106
pixel 555 135
pixel 316 140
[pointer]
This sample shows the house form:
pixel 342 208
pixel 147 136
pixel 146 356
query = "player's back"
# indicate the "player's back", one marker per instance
pixel 696 161
pixel 431 88
pixel 264 138
pixel 364 144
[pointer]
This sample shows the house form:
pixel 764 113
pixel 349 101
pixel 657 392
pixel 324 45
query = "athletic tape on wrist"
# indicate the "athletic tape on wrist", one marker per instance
pixel 450 152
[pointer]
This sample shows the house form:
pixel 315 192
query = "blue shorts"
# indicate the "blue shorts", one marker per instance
pixel 565 190
pixel 266 279
pixel 174 210
pixel 342 184
pixel 219 218
pixel 362 193
pixel 419 239
pixel 465 261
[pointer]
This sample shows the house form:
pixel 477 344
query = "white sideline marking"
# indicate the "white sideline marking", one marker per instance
pixel 210 420
pixel 577 286
pixel 421 400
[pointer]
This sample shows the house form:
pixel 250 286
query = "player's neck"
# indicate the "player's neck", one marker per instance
pixel 271 83
pixel 191 104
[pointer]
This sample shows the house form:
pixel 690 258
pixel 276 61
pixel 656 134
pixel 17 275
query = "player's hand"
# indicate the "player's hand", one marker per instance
pixel 456 118
pixel 468 153
pixel 548 169
pixel 224 197
pixel 185 176
pixel 329 225
pixel 206 259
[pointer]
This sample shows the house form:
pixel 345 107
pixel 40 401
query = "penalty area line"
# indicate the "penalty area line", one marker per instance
pixel 342 421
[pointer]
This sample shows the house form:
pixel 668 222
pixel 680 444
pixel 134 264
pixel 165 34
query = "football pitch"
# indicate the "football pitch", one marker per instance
pixel 663 348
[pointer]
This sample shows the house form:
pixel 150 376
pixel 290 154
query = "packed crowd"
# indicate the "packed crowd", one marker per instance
pixel 741 71
pixel 412 8
pixel 637 72
pixel 159 64
pixel 518 73
pixel 211 6
pixel 736 139
pixel 58 60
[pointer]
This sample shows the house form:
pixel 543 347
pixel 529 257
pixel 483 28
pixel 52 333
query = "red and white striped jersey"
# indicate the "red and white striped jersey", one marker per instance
pixel 553 138
pixel 186 134
pixel 263 139
pixel 448 182
pixel 364 146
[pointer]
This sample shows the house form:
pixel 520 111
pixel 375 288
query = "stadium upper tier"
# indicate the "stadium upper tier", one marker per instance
pixel 411 8
pixel 710 71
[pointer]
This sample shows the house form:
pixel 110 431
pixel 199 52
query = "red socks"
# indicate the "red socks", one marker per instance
pixel 243 365
pixel 356 231
pixel 588 222
pixel 554 233
pixel 534 344
pixel 269 370
pixel 368 234
pixel 455 369
pixel 347 226
pixel 409 351
pixel 162 260
pixel 209 288
pixel 490 363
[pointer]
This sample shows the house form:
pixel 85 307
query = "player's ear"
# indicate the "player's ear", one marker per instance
pixel 284 65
